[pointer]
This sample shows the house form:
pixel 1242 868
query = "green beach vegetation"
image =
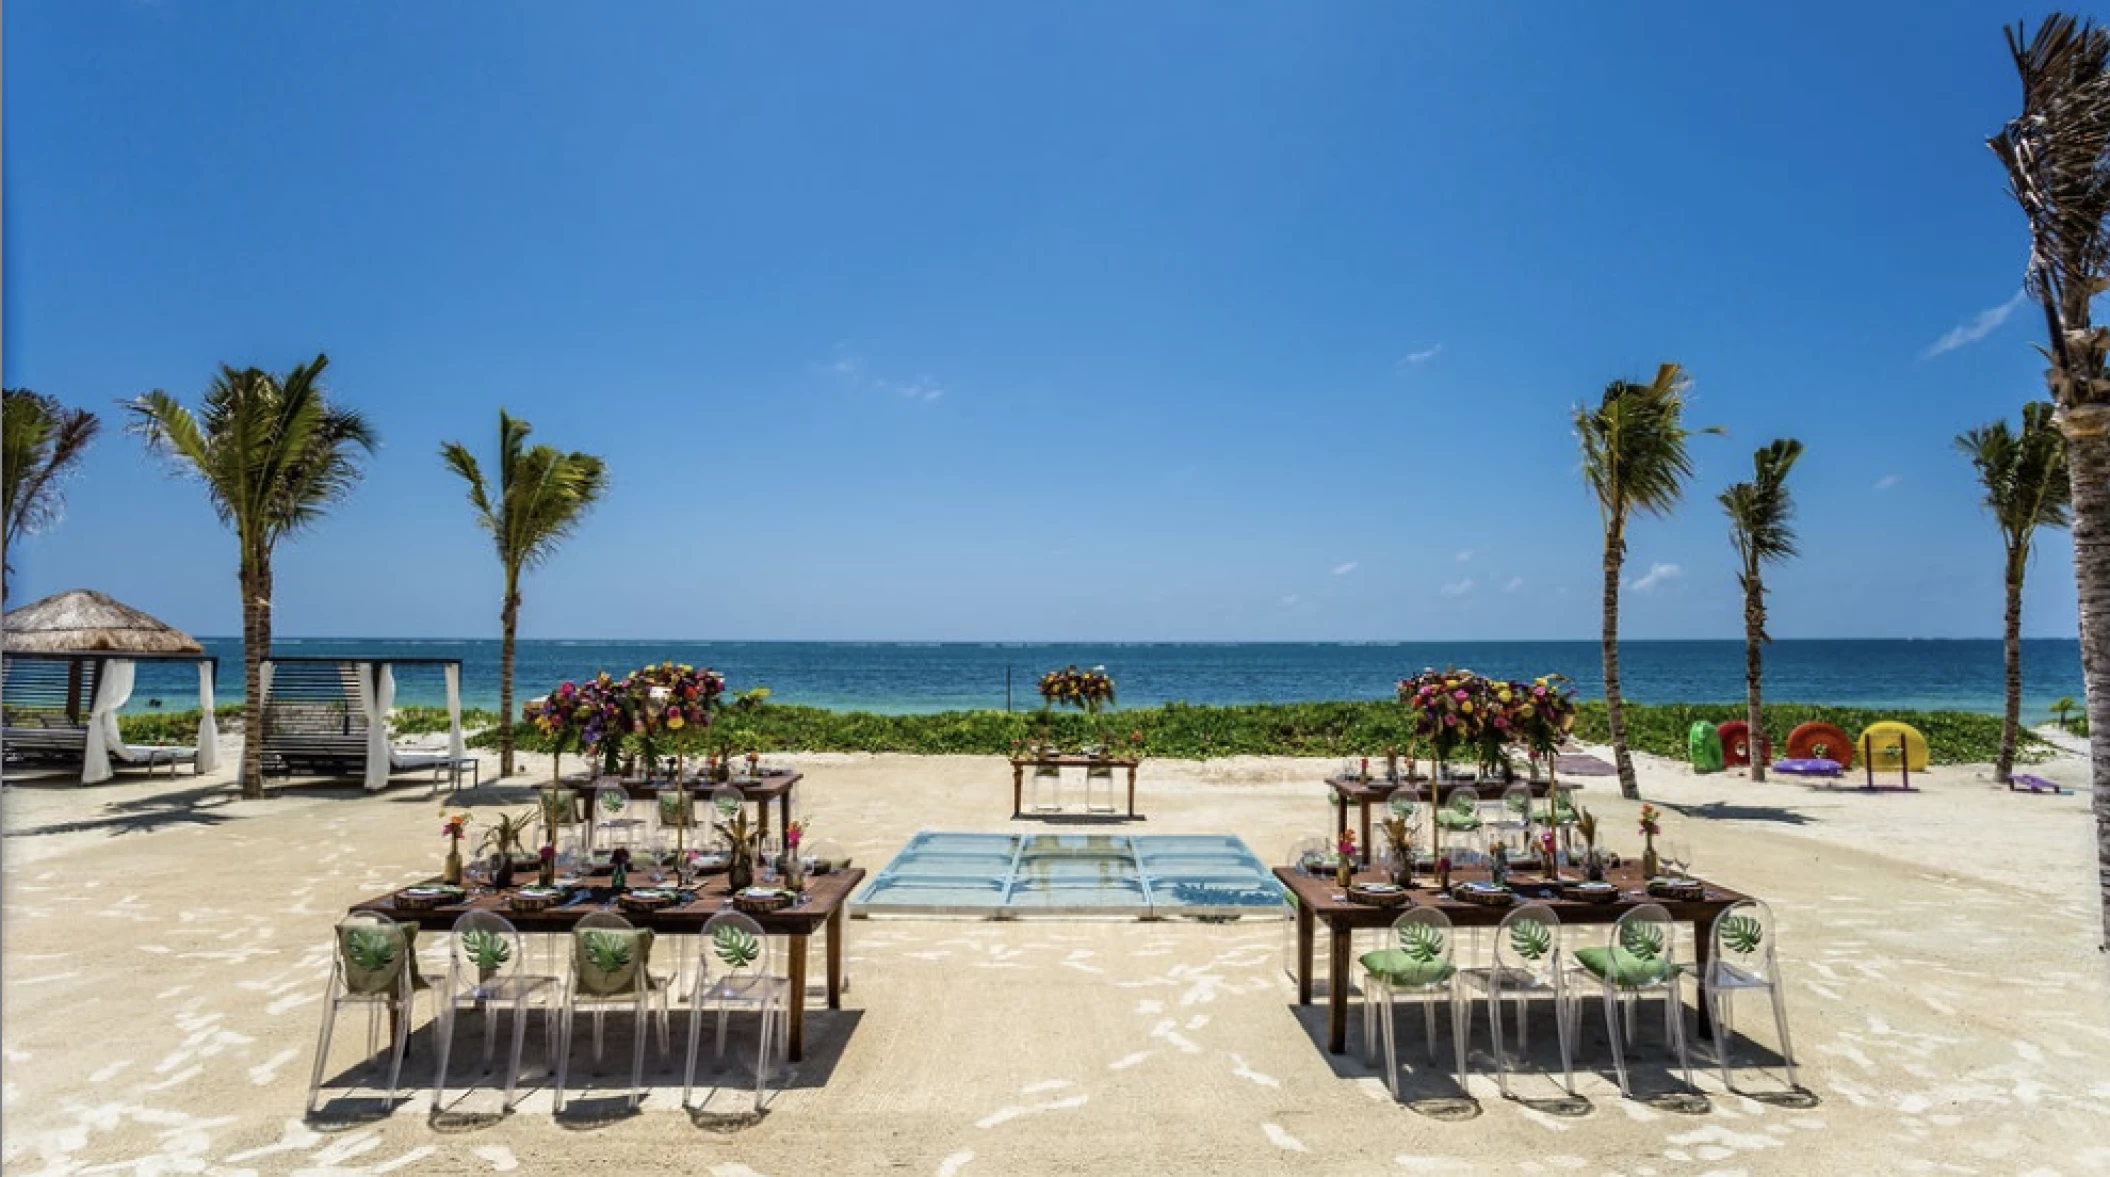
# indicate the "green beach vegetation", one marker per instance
pixel 1181 731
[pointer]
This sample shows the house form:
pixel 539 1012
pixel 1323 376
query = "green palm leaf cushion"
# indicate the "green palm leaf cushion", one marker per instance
pixel 1637 960
pixel 375 956
pixel 1398 967
pixel 610 962
pixel 488 950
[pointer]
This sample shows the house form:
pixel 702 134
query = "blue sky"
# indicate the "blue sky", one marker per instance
pixel 965 321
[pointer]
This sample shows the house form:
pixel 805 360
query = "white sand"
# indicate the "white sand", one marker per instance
pixel 167 946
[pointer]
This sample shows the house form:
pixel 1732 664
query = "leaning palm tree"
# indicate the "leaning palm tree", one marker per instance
pixel 2026 487
pixel 274 454
pixel 2057 156
pixel 41 441
pixel 542 494
pixel 1759 515
pixel 1634 458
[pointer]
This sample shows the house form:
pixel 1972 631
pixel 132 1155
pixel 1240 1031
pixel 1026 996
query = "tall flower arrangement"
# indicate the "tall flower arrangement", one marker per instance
pixel 653 709
pixel 561 718
pixel 1087 690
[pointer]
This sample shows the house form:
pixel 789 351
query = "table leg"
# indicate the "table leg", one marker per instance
pixel 1131 790
pixel 1702 949
pixel 1366 831
pixel 1305 931
pixel 762 819
pixel 836 924
pixel 798 995
pixel 1343 941
pixel 1018 789
pixel 784 813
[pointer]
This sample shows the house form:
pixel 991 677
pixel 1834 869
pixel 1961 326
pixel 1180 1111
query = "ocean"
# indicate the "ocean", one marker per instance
pixel 939 676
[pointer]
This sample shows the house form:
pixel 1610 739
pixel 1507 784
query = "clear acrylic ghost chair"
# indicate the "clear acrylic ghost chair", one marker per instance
pixel 1513 821
pixel 1636 961
pixel 1301 852
pixel 484 973
pixel 736 969
pixel 610 969
pixel 615 821
pixel 726 803
pixel 1743 959
pixel 1416 967
pixel 1101 777
pixel 375 965
pixel 1464 833
pixel 1046 793
pixel 1526 964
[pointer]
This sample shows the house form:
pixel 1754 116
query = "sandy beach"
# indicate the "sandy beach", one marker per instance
pixel 167 947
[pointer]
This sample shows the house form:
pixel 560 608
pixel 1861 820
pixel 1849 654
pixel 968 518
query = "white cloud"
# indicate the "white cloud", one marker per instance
pixel 1345 569
pixel 846 365
pixel 1417 358
pixel 1657 574
pixel 1465 555
pixel 1515 583
pixel 849 368
pixel 1290 599
pixel 1458 588
pixel 1886 482
pixel 1983 324
pixel 922 388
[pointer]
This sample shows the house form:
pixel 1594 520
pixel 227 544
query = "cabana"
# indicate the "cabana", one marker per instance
pixel 69 666
pixel 329 717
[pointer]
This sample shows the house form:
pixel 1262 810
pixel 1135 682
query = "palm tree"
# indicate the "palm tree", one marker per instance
pixel 2026 487
pixel 2057 156
pixel 542 494
pixel 1759 514
pixel 41 441
pixel 274 454
pixel 1634 458
pixel 2062 709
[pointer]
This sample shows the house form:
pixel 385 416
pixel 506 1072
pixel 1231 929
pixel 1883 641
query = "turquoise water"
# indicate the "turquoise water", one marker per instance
pixel 906 677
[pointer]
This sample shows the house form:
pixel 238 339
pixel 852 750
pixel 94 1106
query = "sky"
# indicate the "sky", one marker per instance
pixel 1092 321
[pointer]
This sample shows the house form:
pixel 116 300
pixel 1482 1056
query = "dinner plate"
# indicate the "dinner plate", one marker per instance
pixel 761 893
pixel 1379 888
pixel 429 892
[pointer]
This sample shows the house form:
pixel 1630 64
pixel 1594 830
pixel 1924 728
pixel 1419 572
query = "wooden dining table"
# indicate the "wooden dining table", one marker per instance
pixel 1319 900
pixel 825 904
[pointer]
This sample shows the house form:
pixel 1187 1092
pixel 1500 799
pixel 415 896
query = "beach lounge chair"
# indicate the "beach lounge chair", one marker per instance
pixel 2023 782
pixel 148 756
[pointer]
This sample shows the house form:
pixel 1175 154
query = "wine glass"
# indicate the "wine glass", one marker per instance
pixel 1675 856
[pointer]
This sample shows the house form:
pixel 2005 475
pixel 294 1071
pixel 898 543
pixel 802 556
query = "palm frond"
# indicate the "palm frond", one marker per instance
pixel 43 444
pixel 542 495
pixel 1635 448
pixel 2023 473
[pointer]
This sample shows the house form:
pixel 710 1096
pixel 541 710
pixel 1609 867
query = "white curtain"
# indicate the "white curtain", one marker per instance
pixel 208 728
pixel 456 747
pixel 377 694
pixel 112 687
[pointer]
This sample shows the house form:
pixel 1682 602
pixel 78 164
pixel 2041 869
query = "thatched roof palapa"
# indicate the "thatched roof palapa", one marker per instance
pixel 84 621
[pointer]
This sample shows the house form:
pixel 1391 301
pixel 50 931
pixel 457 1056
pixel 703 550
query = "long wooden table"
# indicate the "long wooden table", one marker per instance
pixel 1019 765
pixel 827 901
pixel 1319 900
pixel 770 786
pixel 1364 792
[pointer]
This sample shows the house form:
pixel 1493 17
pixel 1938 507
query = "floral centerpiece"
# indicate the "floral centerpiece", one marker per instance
pixel 453 827
pixel 561 718
pixel 1090 691
pixel 652 710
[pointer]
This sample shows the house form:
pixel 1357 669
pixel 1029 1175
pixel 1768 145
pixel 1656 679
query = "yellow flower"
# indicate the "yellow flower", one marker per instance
pixel 1504 696
pixel 1466 707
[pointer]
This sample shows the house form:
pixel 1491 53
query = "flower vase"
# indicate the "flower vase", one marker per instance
pixel 451 870
pixel 547 874
pixel 1593 868
pixel 1403 866
pixel 1650 864
pixel 740 869
pixel 1344 871
pixel 502 871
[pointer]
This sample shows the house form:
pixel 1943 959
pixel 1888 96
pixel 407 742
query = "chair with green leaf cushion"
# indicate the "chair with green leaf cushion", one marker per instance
pixel 611 967
pixel 1417 966
pixel 561 819
pixel 1636 960
pixel 1459 819
pixel 736 970
pixel 1743 959
pixel 484 973
pixel 1527 963
pixel 375 965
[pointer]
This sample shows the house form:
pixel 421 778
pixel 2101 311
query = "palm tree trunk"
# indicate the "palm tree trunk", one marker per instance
pixel 1614 709
pixel 1754 637
pixel 2088 464
pixel 509 619
pixel 256 646
pixel 2010 729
